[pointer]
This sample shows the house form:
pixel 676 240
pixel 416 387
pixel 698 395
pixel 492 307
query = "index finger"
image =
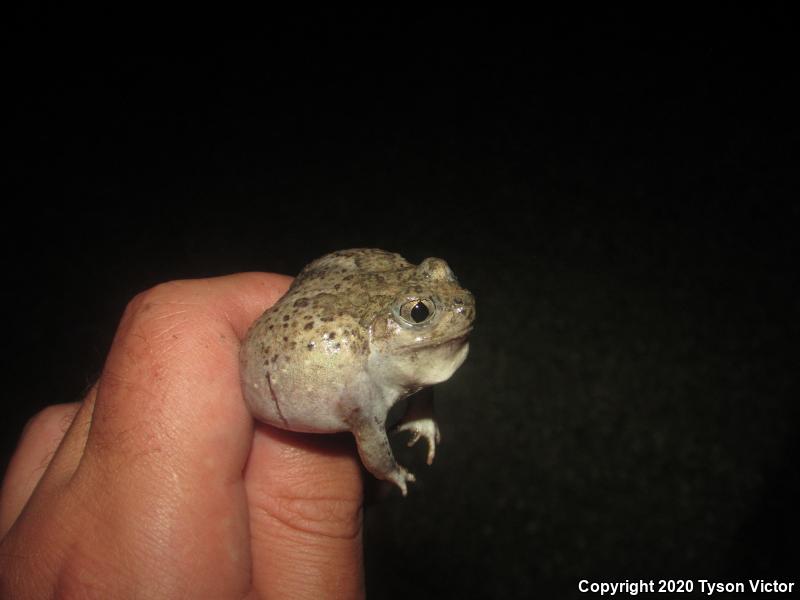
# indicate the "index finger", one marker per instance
pixel 171 380
pixel 158 479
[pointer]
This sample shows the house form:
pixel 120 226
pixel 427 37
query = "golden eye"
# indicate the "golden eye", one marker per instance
pixel 416 312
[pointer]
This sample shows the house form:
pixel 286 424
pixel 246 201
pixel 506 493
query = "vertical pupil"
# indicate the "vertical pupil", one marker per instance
pixel 420 312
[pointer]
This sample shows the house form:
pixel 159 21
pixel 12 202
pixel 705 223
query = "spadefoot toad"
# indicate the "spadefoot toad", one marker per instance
pixel 357 331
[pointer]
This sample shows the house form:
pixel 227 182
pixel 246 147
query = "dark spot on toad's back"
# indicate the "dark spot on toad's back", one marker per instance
pixel 308 326
pixel 326 318
pixel 331 335
pixel 285 339
pixel 285 317
pixel 274 358
pixel 311 345
pixel 301 302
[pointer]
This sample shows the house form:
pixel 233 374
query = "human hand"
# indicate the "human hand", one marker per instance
pixel 159 485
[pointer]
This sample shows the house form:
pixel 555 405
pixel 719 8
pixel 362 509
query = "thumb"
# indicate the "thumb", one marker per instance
pixel 305 498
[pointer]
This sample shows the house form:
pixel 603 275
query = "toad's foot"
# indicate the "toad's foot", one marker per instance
pixel 400 477
pixel 423 427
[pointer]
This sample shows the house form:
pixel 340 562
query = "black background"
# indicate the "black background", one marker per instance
pixel 614 188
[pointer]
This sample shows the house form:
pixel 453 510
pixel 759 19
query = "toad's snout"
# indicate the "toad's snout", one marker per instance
pixel 464 307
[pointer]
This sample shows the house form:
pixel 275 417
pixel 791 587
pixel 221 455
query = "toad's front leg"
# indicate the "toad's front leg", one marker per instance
pixel 376 454
pixel 419 420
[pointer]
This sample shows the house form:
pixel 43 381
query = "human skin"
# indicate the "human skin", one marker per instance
pixel 160 485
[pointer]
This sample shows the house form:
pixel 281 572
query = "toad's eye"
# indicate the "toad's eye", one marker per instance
pixel 415 312
pixel 419 313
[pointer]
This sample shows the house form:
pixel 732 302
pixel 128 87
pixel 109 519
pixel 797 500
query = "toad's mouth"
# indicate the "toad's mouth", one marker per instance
pixel 455 339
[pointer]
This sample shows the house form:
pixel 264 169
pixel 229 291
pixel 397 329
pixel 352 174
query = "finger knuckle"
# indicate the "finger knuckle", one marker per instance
pixel 166 307
pixel 327 517
pixel 160 293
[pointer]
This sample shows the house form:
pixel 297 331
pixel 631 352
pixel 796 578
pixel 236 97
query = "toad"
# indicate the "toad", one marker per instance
pixel 358 331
